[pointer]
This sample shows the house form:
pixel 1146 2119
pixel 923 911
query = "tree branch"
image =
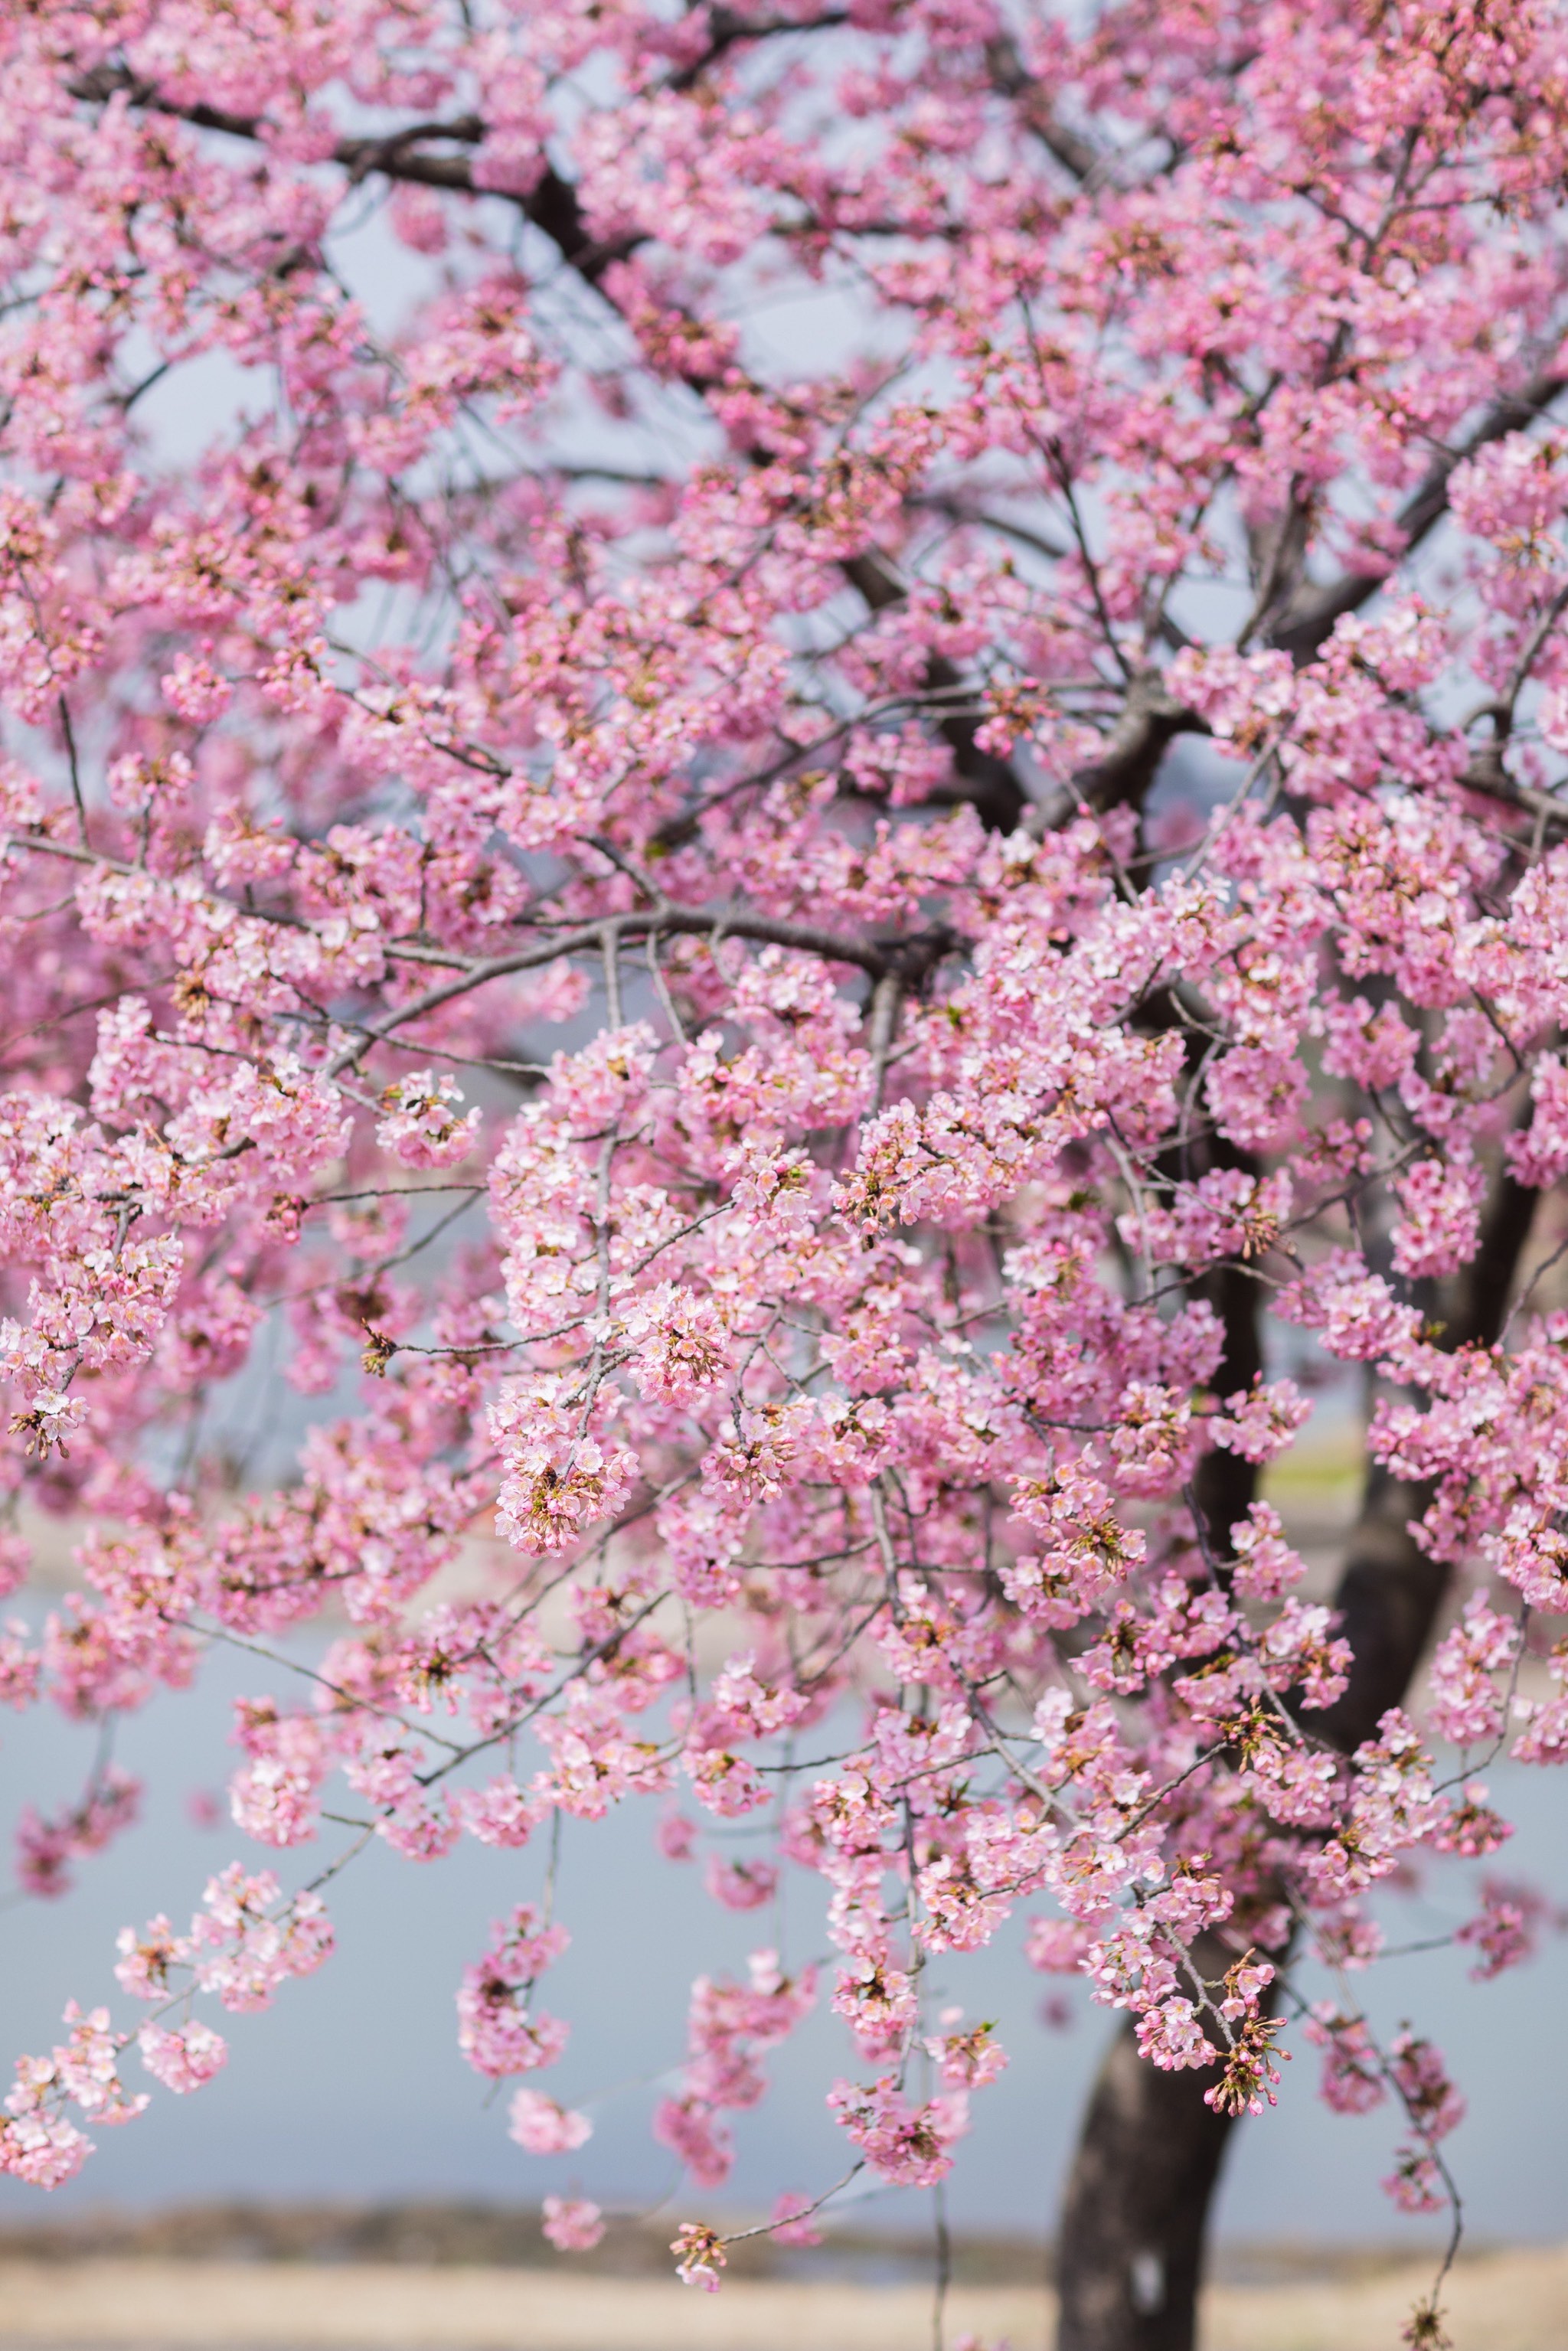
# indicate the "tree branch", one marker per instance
pixel 727 31
pixel 551 204
pixel 1390 1590
pixel 1310 617
pixel 908 960
pixel 1151 719
pixel 994 789
pixel 1011 77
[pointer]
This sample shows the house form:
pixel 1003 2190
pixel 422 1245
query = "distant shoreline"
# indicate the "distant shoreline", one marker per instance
pixel 432 2234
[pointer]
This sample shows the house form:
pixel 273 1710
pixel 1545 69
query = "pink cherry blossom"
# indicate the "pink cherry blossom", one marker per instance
pixel 538 2123
pixel 572 2223
pixel 183 2059
pixel 1506 1931
pixel 741 1885
pixel 699 2256
pixel 908 2146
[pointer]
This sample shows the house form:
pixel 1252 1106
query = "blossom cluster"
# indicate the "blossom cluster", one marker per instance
pixel 818 1043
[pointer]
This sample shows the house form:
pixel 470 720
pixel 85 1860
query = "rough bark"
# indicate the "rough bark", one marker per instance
pixel 1134 2220
pixel 1135 2216
pixel 1226 1485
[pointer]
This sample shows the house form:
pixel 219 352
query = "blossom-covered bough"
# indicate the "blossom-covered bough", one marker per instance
pixel 734 599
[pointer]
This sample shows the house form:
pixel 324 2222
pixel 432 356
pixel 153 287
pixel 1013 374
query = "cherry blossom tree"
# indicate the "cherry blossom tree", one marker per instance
pixel 604 857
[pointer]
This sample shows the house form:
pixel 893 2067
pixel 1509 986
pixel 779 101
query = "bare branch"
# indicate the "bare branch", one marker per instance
pixel 1311 614
pixel 1150 721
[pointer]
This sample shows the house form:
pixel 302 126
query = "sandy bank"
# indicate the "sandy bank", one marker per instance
pixel 1506 2301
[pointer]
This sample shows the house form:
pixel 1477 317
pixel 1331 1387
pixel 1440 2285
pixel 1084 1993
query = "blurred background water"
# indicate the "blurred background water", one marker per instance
pixel 351 2087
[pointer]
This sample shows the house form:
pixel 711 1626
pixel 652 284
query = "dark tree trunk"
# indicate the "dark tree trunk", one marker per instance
pixel 1134 2224
pixel 1136 2217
